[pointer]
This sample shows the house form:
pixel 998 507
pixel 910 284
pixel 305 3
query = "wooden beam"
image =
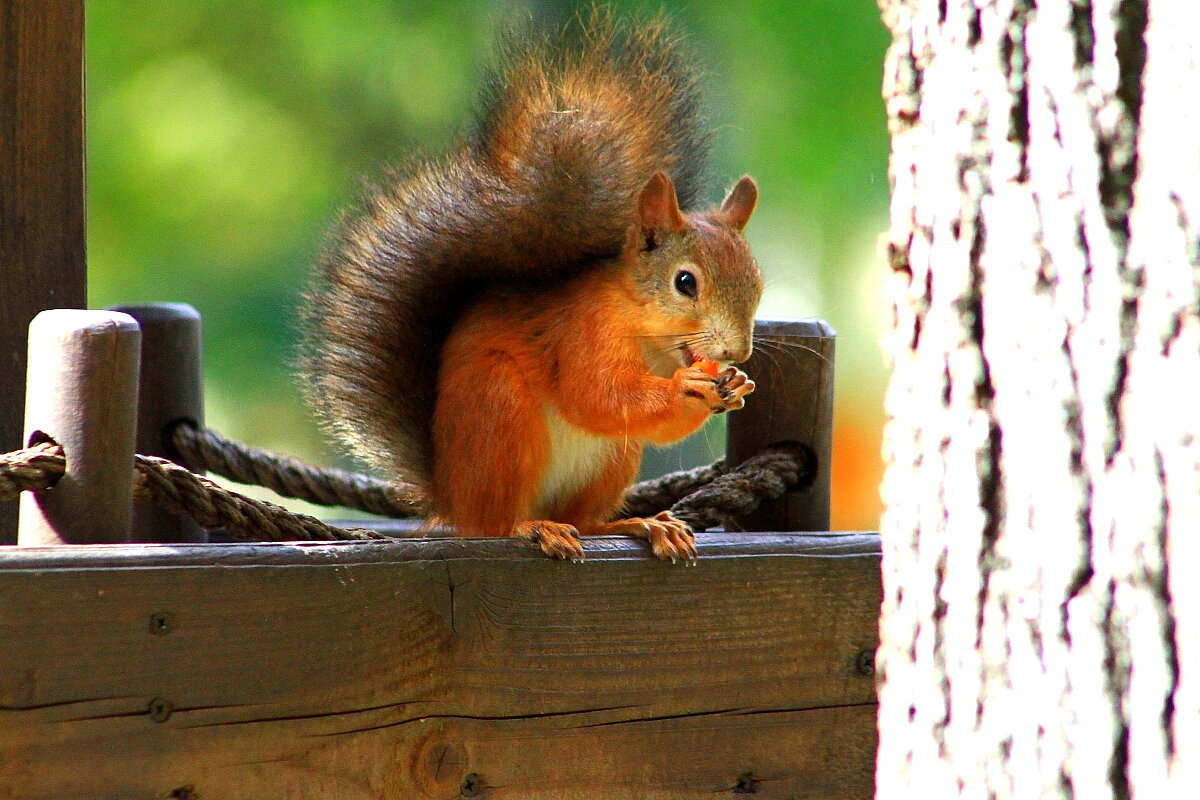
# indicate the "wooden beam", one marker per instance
pixel 41 188
pixel 439 668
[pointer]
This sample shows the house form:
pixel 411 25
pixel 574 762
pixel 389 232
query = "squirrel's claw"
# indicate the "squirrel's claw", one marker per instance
pixel 670 538
pixel 733 385
pixel 731 378
pixel 557 539
pixel 725 392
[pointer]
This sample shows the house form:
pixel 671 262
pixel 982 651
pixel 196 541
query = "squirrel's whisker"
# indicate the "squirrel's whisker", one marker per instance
pixel 784 347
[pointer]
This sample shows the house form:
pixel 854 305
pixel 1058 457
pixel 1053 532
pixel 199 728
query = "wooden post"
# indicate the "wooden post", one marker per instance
pixel 41 188
pixel 792 366
pixel 82 393
pixel 170 389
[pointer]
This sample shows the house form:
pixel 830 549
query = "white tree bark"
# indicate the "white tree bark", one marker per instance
pixel 1041 618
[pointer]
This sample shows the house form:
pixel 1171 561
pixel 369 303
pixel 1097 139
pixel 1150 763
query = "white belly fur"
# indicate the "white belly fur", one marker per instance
pixel 576 457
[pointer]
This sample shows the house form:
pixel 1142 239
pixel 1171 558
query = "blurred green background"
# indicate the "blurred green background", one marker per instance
pixel 224 136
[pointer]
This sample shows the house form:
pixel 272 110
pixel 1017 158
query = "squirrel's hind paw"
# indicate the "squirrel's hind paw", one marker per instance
pixel 557 539
pixel 669 538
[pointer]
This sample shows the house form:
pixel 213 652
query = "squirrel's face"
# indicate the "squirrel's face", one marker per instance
pixel 697 282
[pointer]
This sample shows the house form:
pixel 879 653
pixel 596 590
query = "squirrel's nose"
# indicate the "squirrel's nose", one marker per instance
pixel 736 356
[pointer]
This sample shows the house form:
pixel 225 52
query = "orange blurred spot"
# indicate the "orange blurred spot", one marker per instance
pixel 857 469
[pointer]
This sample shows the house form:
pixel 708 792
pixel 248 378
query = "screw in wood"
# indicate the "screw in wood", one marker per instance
pixel 159 709
pixel 744 784
pixel 470 786
pixel 864 662
pixel 160 624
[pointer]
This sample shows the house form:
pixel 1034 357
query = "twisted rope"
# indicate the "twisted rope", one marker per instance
pixel 30 470
pixel 203 449
pixel 702 497
pixel 647 498
pixel 766 476
pixel 181 492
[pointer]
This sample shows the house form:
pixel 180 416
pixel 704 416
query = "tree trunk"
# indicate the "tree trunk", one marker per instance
pixel 1041 622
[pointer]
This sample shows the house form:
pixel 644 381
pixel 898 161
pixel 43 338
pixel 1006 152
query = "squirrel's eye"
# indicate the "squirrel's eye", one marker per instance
pixel 685 283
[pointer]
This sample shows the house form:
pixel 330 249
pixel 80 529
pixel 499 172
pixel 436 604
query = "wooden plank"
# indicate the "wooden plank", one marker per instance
pixel 41 189
pixel 402 669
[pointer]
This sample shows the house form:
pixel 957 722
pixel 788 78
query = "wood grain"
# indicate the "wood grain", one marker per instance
pixel 398 669
pixel 41 189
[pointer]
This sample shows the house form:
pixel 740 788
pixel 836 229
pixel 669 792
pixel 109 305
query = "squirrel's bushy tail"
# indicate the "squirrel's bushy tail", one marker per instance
pixel 571 125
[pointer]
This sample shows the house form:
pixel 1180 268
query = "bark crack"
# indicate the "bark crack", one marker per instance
pixel 1170 640
pixel 1118 153
pixel 1116 670
pixel 1084 34
pixel 1014 62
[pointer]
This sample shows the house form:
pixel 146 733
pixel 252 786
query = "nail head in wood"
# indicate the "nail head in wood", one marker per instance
pixel 792 367
pixel 160 709
pixel 744 784
pixel 160 624
pixel 81 391
pixel 864 662
pixel 471 786
pixel 171 389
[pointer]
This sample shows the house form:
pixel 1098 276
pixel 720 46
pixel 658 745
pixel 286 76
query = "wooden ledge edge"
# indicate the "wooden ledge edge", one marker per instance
pixel 597 549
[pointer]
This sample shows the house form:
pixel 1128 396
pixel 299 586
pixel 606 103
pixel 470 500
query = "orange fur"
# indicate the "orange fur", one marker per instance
pixel 523 366
pixel 502 328
pixel 569 125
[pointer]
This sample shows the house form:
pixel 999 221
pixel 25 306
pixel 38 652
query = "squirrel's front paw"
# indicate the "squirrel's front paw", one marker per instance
pixel 722 392
pixel 733 385
pixel 670 538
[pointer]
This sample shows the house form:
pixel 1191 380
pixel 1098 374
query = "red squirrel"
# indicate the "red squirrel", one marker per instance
pixel 506 327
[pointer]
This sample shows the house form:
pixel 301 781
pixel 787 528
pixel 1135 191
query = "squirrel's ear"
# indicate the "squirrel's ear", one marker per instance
pixel 658 209
pixel 740 203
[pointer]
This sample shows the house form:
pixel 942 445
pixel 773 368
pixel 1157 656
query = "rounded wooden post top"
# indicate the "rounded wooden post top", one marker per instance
pixel 79 323
pixel 158 312
pixel 81 391
pixel 817 328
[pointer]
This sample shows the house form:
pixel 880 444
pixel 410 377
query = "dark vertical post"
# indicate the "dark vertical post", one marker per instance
pixel 792 367
pixel 170 390
pixel 41 189
pixel 82 393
